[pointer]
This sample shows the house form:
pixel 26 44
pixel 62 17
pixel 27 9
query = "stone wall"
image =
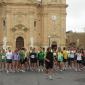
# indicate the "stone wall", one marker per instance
pixel 33 20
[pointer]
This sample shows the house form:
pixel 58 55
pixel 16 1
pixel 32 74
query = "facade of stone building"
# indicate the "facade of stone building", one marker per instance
pixel 74 39
pixel 26 23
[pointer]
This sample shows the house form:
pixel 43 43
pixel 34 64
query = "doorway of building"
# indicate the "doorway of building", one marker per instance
pixel 54 45
pixel 19 42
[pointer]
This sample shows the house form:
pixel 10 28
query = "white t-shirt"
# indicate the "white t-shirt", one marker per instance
pixel 79 56
pixel 9 55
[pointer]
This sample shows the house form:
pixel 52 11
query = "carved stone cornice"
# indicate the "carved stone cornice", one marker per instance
pixel 54 36
pixel 18 4
pixel 34 4
pixel 19 27
pixel 2 4
pixel 56 5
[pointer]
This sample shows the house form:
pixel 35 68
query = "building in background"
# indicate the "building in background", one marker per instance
pixel 32 23
pixel 74 39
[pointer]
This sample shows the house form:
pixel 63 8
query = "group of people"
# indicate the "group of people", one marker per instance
pixel 41 60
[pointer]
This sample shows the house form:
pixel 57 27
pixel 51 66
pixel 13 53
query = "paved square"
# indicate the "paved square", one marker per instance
pixel 35 78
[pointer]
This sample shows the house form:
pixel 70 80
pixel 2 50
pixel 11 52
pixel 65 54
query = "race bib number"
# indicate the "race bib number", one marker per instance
pixel 32 56
pixel 54 54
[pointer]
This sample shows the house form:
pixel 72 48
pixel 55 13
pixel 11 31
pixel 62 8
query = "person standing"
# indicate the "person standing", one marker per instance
pixel 79 60
pixel 0 60
pixel 22 59
pixel 60 59
pixel 65 56
pixel 3 60
pixel 33 60
pixel 41 56
pixel 9 61
pixel 15 60
pixel 49 62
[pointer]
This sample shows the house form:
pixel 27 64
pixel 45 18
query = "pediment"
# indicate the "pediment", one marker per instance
pixel 20 27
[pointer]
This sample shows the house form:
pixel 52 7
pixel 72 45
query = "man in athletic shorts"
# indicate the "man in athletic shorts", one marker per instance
pixel 41 56
pixel 22 61
pixel 49 62
pixel 3 60
pixel 9 61
pixel 33 60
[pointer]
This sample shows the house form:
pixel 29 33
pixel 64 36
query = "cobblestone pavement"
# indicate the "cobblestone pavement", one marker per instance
pixel 35 78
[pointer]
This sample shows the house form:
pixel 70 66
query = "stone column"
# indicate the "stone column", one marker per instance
pixel 5 33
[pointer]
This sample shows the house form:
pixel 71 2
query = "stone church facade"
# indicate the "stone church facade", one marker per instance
pixel 32 23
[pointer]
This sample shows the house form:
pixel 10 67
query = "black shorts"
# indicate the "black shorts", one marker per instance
pixel 79 61
pixel 71 59
pixel 65 60
pixel 49 65
pixel 33 60
pixel 83 62
pixel 75 57
pixel 22 61
pixel 41 62
pixel 26 60
pixel 9 60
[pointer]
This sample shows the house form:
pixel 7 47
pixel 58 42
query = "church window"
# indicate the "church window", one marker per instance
pixel 34 23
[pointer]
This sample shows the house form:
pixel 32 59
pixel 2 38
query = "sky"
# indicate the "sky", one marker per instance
pixel 75 15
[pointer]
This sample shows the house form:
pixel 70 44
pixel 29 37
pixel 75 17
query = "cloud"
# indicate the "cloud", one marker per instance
pixel 75 14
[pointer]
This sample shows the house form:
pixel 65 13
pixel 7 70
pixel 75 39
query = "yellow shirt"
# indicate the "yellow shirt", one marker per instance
pixel 65 54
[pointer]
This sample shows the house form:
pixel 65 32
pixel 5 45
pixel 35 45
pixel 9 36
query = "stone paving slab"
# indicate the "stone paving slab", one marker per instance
pixel 35 78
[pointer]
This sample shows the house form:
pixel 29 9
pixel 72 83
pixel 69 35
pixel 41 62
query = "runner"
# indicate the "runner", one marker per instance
pixel 22 61
pixel 33 60
pixel 0 60
pixel 27 67
pixel 3 60
pixel 60 59
pixel 9 61
pixel 55 60
pixel 79 60
pixel 71 56
pixel 15 60
pixel 41 56
pixel 65 56
pixel 49 62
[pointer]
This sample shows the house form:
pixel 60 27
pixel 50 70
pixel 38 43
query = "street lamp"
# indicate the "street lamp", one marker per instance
pixel 49 39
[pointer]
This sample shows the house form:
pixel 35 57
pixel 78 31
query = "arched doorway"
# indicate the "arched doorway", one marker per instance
pixel 19 42
pixel 54 45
